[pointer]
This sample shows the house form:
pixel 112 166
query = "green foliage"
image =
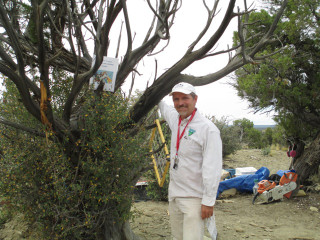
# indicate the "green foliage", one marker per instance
pixel 68 200
pixel 154 191
pixel 12 108
pixel 279 136
pixel 60 90
pixel 266 151
pixel 243 123
pixel 242 132
pixel 244 127
pixel 5 213
pixel 229 136
pixel 254 138
pixel 292 126
pixel 267 136
pixel 289 81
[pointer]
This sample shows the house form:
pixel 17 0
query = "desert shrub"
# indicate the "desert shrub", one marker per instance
pixel 267 136
pixel 67 200
pixel 266 151
pixel 279 137
pixel 154 191
pixel 254 138
pixel 229 136
pixel 5 213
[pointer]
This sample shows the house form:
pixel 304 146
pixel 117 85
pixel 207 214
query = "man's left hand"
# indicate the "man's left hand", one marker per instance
pixel 206 211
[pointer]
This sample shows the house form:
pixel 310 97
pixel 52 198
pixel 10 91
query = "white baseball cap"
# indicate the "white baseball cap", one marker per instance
pixel 183 87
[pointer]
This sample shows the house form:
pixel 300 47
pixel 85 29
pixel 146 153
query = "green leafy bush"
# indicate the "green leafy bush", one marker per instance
pixel 154 191
pixel 69 190
pixel 229 136
pixel 5 213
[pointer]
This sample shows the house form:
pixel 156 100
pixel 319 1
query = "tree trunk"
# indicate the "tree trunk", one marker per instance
pixel 115 229
pixel 307 164
pixel 118 231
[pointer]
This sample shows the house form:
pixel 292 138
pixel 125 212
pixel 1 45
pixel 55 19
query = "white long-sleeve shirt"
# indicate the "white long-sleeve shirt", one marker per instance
pixel 200 157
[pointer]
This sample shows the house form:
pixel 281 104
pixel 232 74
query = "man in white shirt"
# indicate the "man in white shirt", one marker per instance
pixel 195 167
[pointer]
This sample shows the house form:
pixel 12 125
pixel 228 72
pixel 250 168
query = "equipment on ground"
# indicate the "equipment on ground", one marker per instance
pixel 269 191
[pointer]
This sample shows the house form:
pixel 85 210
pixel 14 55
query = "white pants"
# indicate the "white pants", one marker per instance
pixel 185 219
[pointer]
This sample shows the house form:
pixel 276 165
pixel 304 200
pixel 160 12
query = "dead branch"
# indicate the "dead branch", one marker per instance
pixel 98 17
pixel 164 24
pixel 211 14
pixel 263 41
pixel 119 40
pixel 150 30
pixel 126 19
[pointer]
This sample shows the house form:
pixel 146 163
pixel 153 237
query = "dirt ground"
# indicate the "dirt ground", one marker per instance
pixel 297 218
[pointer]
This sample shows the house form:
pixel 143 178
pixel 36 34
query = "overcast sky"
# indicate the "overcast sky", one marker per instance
pixel 217 99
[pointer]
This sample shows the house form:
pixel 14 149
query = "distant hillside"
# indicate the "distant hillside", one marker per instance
pixel 263 127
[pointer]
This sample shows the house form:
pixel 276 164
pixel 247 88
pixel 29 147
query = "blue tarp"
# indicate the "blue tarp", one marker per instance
pixel 281 172
pixel 243 183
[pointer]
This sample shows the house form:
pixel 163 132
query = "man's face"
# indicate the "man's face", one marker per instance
pixel 184 103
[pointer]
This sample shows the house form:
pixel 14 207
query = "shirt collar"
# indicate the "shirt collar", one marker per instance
pixel 184 121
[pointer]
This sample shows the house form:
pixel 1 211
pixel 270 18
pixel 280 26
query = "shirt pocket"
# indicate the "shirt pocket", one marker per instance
pixel 190 146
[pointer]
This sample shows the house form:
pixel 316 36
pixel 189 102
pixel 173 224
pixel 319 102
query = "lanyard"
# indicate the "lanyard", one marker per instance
pixel 179 137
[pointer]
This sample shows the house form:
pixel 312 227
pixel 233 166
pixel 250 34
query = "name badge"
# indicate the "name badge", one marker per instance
pixel 176 161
